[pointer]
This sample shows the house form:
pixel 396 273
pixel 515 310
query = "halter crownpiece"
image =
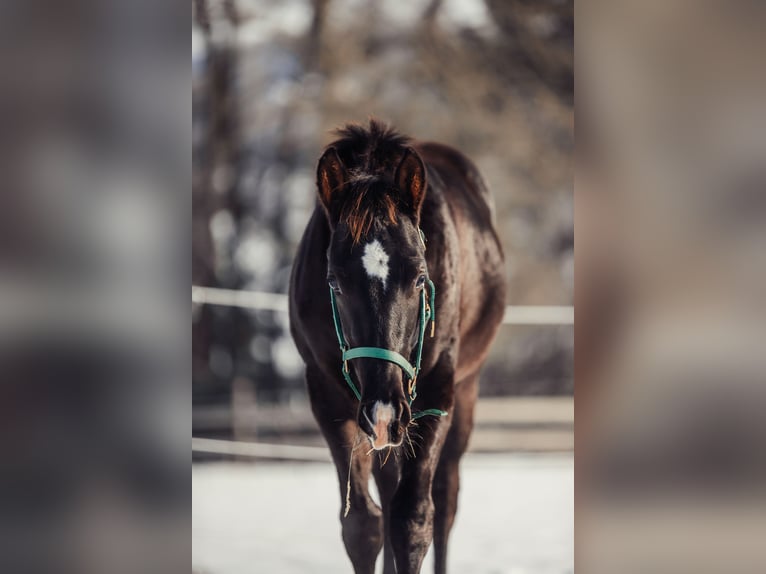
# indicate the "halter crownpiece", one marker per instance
pixel 427 314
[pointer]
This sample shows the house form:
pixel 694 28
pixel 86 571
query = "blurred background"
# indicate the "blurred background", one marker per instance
pixel 671 283
pixel 271 80
pixel 95 99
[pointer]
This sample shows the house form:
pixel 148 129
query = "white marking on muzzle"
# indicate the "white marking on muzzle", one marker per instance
pixel 375 261
pixel 382 416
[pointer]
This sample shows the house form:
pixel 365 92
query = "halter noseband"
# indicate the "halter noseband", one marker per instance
pixel 427 314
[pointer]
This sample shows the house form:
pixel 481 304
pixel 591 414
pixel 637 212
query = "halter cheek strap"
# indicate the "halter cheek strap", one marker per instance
pixel 427 314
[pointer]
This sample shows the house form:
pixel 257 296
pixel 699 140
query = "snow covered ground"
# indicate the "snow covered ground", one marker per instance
pixel 515 517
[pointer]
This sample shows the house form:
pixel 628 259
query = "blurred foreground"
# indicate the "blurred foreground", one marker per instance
pixel 516 517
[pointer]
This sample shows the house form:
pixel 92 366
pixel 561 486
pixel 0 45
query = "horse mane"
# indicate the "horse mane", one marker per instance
pixel 370 156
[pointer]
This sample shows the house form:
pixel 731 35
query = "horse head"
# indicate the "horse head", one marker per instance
pixel 376 271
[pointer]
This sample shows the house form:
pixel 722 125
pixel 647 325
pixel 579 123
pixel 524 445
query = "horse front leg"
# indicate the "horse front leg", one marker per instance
pixel 361 519
pixel 447 477
pixel 411 521
pixel 387 478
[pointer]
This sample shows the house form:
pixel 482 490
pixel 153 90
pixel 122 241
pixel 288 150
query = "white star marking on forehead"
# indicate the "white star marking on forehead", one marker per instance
pixel 375 260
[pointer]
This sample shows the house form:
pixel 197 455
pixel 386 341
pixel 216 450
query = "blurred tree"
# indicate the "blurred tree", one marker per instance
pixel 215 155
pixel 537 37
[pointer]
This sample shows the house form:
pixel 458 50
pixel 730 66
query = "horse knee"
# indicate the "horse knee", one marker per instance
pixel 411 532
pixel 362 532
pixel 445 490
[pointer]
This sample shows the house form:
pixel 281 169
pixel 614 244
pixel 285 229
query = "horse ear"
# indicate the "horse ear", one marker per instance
pixel 331 176
pixel 411 179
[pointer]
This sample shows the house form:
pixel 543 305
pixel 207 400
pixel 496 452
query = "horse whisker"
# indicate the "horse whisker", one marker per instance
pixel 387 455
pixel 415 435
pixel 409 441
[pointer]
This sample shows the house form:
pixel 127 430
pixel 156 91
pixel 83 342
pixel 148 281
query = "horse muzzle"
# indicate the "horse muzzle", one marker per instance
pixel 384 422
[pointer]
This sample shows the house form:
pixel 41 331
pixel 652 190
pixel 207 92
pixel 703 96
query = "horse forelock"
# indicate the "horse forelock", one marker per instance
pixel 370 156
pixel 366 204
pixel 373 150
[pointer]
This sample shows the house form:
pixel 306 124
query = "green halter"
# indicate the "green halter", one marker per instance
pixel 427 314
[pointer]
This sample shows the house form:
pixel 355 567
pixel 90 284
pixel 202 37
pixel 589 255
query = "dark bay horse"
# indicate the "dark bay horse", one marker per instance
pixel 396 294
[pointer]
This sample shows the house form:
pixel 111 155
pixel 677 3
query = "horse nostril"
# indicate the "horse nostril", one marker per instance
pixel 395 431
pixel 404 414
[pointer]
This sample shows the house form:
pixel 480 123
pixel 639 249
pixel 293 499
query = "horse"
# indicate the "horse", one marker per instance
pixel 396 294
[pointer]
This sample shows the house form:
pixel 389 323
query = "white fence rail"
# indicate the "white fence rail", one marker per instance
pixel 260 450
pixel 514 314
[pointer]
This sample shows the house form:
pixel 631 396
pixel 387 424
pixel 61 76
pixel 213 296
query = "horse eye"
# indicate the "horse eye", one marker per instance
pixel 333 283
pixel 421 282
